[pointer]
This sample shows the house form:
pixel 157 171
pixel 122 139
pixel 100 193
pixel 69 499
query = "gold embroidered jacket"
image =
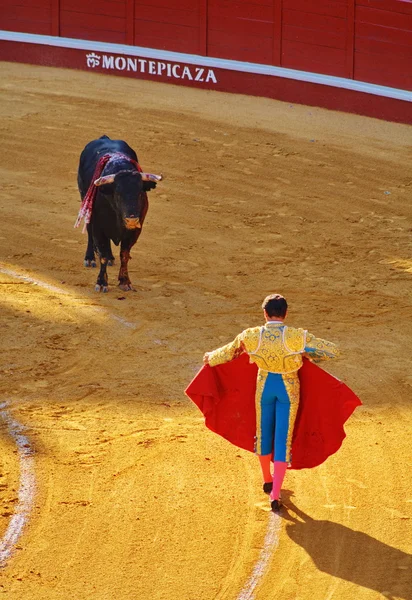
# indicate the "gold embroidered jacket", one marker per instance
pixel 276 348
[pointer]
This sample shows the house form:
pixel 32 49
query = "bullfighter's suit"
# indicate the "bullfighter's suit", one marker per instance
pixel 278 352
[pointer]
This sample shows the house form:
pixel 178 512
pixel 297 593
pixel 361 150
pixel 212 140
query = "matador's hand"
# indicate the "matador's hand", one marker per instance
pixel 206 358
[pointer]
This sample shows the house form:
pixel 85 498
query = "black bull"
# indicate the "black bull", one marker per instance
pixel 119 207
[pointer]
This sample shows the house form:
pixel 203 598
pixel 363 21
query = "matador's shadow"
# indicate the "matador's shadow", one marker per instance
pixel 350 555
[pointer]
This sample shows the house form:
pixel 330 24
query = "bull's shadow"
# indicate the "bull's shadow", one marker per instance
pixel 350 555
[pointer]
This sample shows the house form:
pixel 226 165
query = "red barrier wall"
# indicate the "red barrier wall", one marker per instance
pixel 383 42
pixel 30 16
pixel 316 36
pixel 367 40
pixel 242 30
pixel 105 20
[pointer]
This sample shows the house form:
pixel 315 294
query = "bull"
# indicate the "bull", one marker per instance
pixel 113 190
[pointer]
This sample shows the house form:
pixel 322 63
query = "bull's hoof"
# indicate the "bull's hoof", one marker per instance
pixel 101 288
pixel 126 287
pixel 110 262
pixel 89 263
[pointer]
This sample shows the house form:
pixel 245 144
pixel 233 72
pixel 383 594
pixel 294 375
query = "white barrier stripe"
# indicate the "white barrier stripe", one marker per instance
pixel 53 288
pixel 207 61
pixel 26 489
pixel 270 544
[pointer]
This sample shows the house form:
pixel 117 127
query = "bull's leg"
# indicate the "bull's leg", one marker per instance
pixel 111 257
pixel 124 281
pixel 102 244
pixel 102 283
pixel 89 259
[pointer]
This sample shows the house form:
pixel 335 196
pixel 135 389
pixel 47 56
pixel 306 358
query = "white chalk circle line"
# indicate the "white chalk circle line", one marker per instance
pixel 270 544
pixel 58 290
pixel 27 486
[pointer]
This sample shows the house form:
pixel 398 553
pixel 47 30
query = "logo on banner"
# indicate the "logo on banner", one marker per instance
pixel 93 60
pixel 151 67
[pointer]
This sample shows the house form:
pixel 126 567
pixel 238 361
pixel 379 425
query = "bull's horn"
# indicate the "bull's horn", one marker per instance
pixel 151 177
pixel 105 179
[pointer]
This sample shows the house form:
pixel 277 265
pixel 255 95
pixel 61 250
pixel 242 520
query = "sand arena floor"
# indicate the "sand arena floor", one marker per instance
pixel 135 499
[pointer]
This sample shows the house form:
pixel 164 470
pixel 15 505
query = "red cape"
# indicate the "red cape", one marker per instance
pixel 226 396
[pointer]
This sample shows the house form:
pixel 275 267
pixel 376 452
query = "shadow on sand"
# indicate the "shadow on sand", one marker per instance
pixel 350 555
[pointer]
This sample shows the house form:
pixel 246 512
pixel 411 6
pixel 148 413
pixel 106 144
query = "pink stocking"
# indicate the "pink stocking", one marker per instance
pixel 278 477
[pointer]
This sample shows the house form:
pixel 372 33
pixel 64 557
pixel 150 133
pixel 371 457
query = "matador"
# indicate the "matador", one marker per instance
pixel 278 352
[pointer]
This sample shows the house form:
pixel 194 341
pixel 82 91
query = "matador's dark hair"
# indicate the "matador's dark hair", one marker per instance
pixel 275 305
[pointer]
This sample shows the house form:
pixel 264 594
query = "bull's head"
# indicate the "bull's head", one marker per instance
pixel 126 195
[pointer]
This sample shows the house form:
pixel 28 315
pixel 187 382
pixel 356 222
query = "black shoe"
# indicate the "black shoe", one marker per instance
pixel 276 505
pixel 267 487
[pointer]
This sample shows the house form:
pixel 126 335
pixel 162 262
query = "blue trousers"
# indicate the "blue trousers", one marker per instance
pixel 277 402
